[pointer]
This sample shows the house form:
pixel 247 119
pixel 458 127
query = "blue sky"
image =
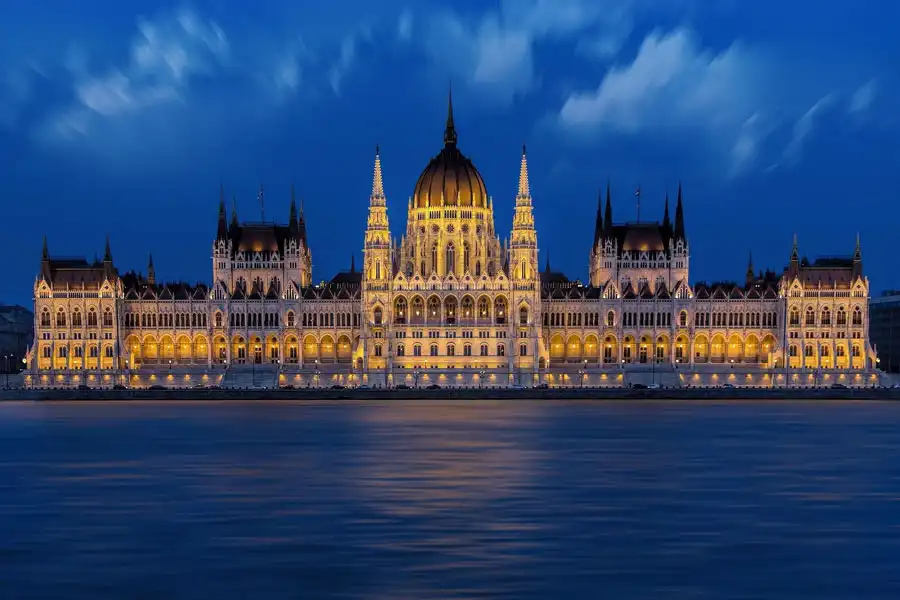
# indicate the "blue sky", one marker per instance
pixel 778 117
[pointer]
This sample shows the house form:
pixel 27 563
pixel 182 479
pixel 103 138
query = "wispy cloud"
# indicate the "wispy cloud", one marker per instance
pixel 494 52
pixel 863 97
pixel 804 127
pixel 346 58
pixel 675 84
pixel 165 56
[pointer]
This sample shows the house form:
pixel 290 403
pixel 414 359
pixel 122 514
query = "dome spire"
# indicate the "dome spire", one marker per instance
pixel 450 130
pixel 524 188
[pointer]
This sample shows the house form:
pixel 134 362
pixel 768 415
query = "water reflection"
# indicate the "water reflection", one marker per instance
pixel 449 500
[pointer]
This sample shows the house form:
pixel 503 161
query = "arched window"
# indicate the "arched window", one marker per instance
pixel 377 315
pixel 401 350
pixel 418 307
pixel 45 317
pixel 682 318
pixel 501 350
pixel 500 310
pixel 61 318
pixel 92 352
pixel 290 318
pixel 109 352
pixel 810 316
pixel 433 350
pixel 483 308
pixel 409 269
pixel 468 307
pixel 451 350
pixel 218 319
pixel 107 318
pixel 610 319
pixel 809 351
pixel 523 349
pixel 467 350
pixel 841 316
pixel 92 317
pixel 451 257
pixel 826 316
pixel 417 350
pixel 484 350
pixel 434 308
pixel 434 261
pixel 523 270
pixel 400 310
pixel 377 269
pixel 76 318
pixel 477 268
pixel 523 315
pixel 466 257
pixel 377 349
pixel 795 316
pixel 857 316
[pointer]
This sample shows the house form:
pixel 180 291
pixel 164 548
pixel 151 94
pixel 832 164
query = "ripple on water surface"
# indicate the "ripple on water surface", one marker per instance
pixel 450 500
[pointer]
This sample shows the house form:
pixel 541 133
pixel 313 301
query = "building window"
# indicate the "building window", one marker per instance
pixel 401 350
pixel 501 350
pixel 610 319
pixel 484 350
pixel 451 350
pixel 523 316
pixel 107 318
pixel 433 351
pixel 683 319
pixel 523 350
pixel 377 315
pixel 92 317
pixel 61 318
pixel 467 350
pixel 109 352
pixel 795 316
pixel 290 318
pixel 857 316
pixel 417 350
pixel 45 318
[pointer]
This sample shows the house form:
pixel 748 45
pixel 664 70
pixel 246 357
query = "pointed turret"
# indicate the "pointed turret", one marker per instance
pixel 107 252
pixel 45 254
pixel 795 251
pixel 378 256
pixel 679 217
pixel 353 263
pixel 524 188
pixel 301 225
pixel 857 258
pixel 222 229
pixel 151 271
pixel 377 181
pixel 293 226
pixel 598 221
pixel 234 218
pixel 749 276
pixel 450 129
pixel 547 266
pixel 607 215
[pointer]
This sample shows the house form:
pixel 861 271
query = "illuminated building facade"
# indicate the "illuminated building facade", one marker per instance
pixel 452 305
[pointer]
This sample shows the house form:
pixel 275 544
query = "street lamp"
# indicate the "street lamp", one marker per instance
pixel 316 378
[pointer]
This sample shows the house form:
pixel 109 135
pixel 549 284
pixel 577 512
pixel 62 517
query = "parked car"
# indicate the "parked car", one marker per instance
pixel 401 386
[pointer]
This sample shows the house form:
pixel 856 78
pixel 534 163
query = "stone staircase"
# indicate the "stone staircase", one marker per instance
pixel 661 375
pixel 252 377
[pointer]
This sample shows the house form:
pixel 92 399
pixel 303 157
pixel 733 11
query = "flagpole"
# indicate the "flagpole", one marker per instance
pixel 262 203
pixel 638 194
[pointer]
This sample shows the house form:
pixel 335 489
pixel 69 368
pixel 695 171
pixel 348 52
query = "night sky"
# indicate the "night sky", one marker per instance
pixel 778 117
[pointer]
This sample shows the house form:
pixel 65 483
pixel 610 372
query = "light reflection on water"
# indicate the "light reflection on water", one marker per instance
pixel 449 500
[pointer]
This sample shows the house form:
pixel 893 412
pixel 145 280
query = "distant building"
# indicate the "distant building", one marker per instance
pixel 16 336
pixel 450 304
pixel 884 329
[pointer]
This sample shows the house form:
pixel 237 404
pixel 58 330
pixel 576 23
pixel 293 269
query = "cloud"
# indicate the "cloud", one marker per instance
pixel 863 97
pixel 405 25
pixel 804 127
pixel 165 57
pixel 346 58
pixel 673 84
pixel 16 89
pixel 494 52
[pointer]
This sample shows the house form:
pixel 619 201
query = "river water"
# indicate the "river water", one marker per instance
pixel 433 499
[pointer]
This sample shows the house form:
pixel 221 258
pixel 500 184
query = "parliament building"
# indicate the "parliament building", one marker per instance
pixel 451 305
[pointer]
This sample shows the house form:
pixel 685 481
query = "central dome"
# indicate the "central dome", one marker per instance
pixel 450 179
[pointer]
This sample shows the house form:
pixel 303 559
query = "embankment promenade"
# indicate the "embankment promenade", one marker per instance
pixel 587 394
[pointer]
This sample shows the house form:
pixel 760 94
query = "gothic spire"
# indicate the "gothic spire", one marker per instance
pixel 607 216
pixel 293 225
pixel 679 216
pixel 222 229
pixel 547 268
pixel 598 223
pixel 795 252
pixel 450 130
pixel 234 219
pixel 107 253
pixel 377 181
pixel 524 188
pixel 353 262
pixel 45 254
pixel 749 277
pixel 151 271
